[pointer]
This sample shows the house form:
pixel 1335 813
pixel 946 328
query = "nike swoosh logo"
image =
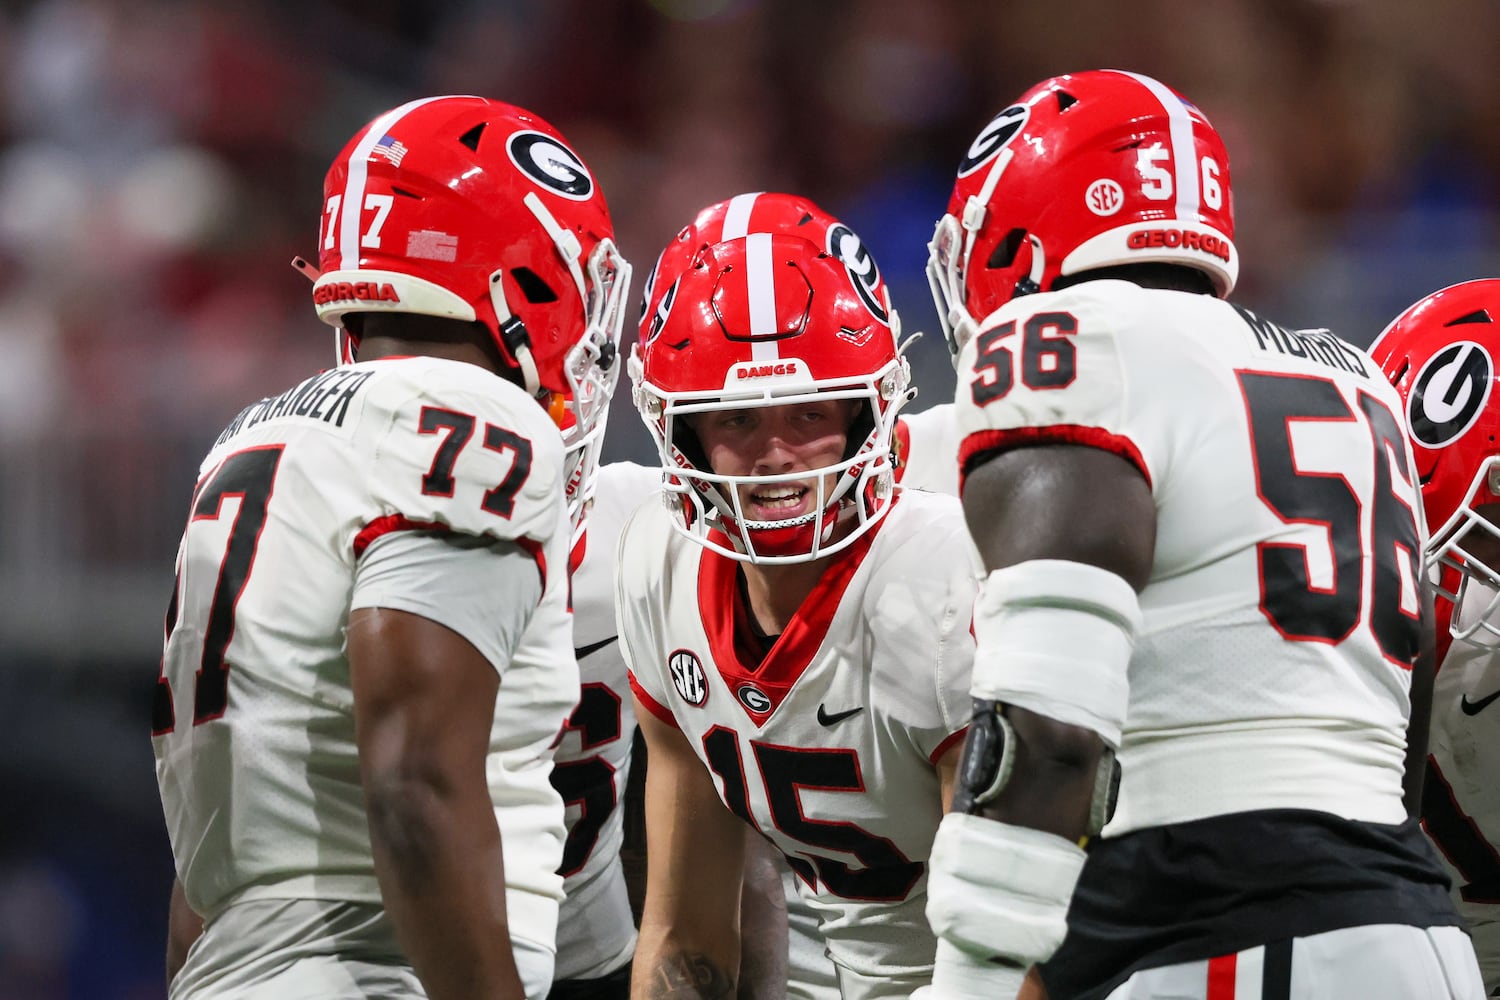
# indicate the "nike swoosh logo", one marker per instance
pixel 825 719
pixel 593 647
pixel 1475 707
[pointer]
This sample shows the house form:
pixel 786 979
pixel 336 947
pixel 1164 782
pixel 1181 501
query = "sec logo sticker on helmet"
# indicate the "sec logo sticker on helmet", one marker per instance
pixel 551 164
pixel 1449 393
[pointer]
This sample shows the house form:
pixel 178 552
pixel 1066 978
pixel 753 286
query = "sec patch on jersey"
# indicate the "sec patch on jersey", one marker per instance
pixel 688 676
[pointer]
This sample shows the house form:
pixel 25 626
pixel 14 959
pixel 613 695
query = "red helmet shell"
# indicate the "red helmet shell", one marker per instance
pixel 1442 355
pixel 765 212
pixel 1084 171
pixel 428 201
pixel 768 320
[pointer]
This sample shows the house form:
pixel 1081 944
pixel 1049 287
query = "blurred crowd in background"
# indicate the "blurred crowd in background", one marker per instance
pixel 161 161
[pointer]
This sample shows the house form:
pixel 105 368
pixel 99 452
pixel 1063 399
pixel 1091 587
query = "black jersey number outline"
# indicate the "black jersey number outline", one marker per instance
pixel 249 475
pixel 887 874
pixel 1048 358
pixel 1290 601
pixel 457 429
pixel 588 783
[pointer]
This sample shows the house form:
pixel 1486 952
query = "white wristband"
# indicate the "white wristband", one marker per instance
pixel 995 889
pixel 957 975
pixel 1056 637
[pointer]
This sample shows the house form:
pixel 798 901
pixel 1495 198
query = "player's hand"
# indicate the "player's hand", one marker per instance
pixel 1032 989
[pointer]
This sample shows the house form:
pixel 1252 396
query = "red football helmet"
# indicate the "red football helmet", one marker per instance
pixel 1084 171
pixel 764 212
pixel 769 320
pixel 473 209
pixel 1441 354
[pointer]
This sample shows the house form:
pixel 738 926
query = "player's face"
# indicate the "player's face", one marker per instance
pixel 777 441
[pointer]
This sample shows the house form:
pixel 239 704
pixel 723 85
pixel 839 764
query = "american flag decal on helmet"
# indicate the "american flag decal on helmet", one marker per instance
pixel 390 148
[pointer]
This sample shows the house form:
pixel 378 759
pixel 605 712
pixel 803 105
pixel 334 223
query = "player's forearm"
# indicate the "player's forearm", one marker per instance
pixel 1052 785
pixel 763 929
pixel 666 971
pixel 442 879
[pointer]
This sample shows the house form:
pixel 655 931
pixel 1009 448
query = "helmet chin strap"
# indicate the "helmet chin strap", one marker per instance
pixel 513 332
pixel 1032 283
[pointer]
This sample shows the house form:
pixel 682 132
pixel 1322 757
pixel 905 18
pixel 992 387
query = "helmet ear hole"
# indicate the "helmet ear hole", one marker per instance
pixel 1005 251
pixel 533 286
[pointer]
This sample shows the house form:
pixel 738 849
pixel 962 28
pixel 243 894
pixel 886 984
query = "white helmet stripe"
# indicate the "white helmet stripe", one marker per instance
pixel 761 287
pixel 354 181
pixel 737 215
pixel 1184 152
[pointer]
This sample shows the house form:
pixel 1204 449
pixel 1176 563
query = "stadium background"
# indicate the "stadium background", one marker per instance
pixel 162 160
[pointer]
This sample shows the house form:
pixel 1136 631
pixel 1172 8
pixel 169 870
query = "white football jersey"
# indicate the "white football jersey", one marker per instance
pixel 1281 615
pixel 828 746
pixel 254 724
pixel 927 445
pixel 1461 797
pixel 596 928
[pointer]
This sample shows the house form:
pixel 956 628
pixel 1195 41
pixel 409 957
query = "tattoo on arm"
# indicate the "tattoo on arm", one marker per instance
pixel 689 977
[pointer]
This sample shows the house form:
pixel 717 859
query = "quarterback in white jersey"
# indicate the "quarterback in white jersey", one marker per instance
pixel 931 464
pixel 596 927
pixel 368 653
pixel 1442 354
pixel 1201 531
pixel 798 635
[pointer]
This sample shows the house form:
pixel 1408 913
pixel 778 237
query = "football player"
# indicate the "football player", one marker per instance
pixel 797 630
pixel 926 442
pixel 1442 355
pixel 1252 668
pixel 368 656
pixel 596 923
pixel 810 975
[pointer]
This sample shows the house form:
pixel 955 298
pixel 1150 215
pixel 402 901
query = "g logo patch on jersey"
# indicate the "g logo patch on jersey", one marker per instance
pixel 753 698
pixel 845 246
pixel 1000 131
pixel 688 676
pixel 1449 393
pixel 550 164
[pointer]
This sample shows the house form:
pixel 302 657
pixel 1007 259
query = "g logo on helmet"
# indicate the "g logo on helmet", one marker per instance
pixel 1449 393
pixel 659 318
pixel 688 676
pixel 550 164
pixel 650 287
pixel 1001 130
pixel 845 246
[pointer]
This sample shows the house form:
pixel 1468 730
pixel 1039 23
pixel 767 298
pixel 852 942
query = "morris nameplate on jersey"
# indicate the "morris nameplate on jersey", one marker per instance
pixel 1314 345
pixel 324 397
